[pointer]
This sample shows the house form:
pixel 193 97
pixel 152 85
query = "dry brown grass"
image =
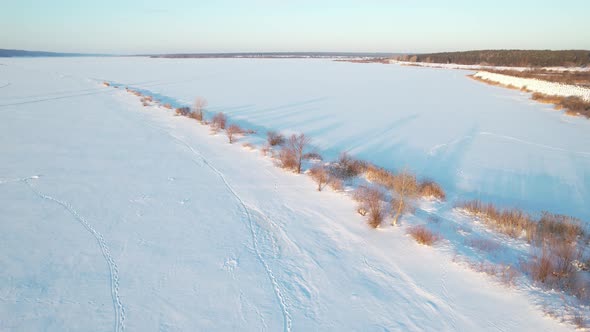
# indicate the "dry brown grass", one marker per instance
pixel 513 223
pixel 248 145
pixel 423 235
pixel 429 188
pixel 379 175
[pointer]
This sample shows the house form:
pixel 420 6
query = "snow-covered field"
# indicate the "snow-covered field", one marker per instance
pixel 478 141
pixel 535 85
pixel 120 217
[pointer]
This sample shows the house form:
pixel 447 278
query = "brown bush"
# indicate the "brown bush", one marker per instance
pixel 429 188
pixel 320 175
pixel 275 139
pixel 168 106
pixel 196 116
pixel 379 175
pixel 287 159
pixel 370 201
pixel 232 131
pixel 405 187
pixel 182 111
pixel 248 145
pixel 106 84
pixel 423 235
pixel 558 226
pixel 347 167
pixel 336 184
pixel 219 121
pixel 313 156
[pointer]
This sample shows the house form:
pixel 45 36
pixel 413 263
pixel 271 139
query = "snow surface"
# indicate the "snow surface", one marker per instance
pixel 118 217
pixel 478 141
pixel 535 85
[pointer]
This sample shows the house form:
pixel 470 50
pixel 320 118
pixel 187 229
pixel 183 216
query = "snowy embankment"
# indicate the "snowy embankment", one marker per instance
pixel 121 217
pixel 535 85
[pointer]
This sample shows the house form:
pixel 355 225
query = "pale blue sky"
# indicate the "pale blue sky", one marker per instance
pixel 148 26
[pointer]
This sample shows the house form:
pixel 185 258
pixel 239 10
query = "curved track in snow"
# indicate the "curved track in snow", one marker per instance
pixel 113 270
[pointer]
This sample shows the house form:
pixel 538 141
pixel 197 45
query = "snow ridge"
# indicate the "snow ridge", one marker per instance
pixel 287 323
pixel 114 271
pixel 535 85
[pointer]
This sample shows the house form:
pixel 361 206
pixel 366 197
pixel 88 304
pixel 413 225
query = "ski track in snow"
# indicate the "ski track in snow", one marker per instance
pixel 114 271
pixel 287 323
pixel 434 150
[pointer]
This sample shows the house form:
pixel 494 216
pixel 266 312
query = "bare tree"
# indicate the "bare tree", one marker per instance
pixel 406 188
pixel 199 108
pixel 296 146
pixel 320 175
pixel 219 121
pixel 231 131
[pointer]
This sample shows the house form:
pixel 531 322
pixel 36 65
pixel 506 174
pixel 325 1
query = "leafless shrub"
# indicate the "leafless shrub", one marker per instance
pixel 313 156
pixel 405 187
pixel 429 188
pixel 336 184
pixel 275 139
pixel 423 235
pixel 145 104
pixel 219 121
pixel 320 175
pixel 347 167
pixel 168 106
pixel 265 150
pixel 182 111
pixel 232 131
pixel 371 203
pixel 287 159
pixel 579 320
pixel 292 153
pixel 249 131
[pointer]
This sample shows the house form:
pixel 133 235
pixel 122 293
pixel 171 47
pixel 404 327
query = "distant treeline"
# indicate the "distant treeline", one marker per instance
pixel 4 53
pixel 509 58
pixel 278 55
